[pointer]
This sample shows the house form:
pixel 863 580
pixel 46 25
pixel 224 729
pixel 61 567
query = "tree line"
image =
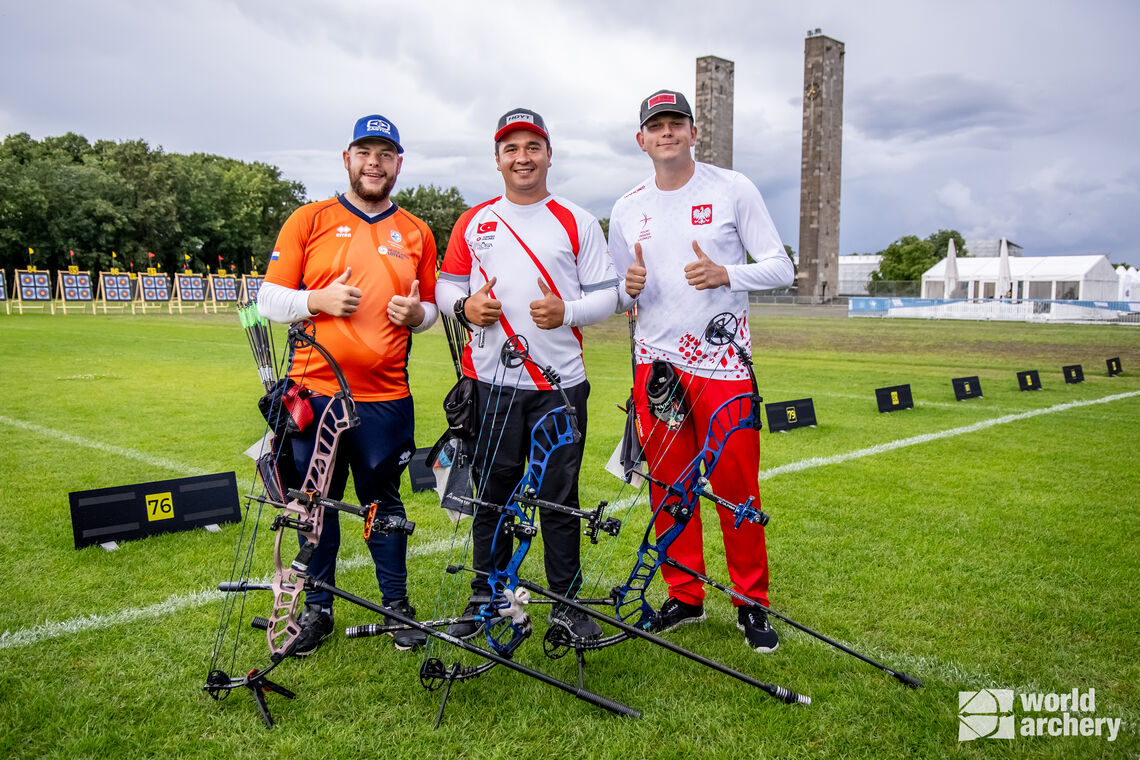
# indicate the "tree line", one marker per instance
pixel 908 257
pixel 113 204
pixel 66 201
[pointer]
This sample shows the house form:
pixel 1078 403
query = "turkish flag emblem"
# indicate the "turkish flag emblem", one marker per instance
pixel 486 227
pixel 702 214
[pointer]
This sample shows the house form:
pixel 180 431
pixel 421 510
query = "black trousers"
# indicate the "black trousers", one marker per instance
pixel 500 461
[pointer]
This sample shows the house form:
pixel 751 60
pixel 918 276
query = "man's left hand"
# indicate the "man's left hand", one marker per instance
pixel 704 273
pixel 549 311
pixel 406 311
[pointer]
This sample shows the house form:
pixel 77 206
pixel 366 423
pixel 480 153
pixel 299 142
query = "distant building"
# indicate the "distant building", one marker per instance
pixel 984 248
pixel 855 273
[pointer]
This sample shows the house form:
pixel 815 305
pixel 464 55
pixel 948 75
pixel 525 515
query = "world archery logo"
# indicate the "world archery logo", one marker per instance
pixel 702 214
pixel 985 714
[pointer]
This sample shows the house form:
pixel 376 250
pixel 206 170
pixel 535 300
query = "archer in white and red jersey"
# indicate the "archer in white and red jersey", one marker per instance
pixel 681 240
pixel 535 265
pixel 552 241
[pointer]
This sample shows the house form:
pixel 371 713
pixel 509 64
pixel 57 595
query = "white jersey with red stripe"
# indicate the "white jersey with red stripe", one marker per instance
pixel 553 240
pixel 724 213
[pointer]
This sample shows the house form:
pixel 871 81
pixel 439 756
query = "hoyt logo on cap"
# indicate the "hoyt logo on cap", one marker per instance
pixel 378 127
pixel 664 101
pixel 521 118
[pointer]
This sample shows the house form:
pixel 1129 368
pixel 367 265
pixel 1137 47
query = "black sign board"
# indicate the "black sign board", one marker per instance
pixel 1029 380
pixel 1113 366
pixel 146 509
pixel 967 387
pixel 788 415
pixel 894 397
pixel 1073 373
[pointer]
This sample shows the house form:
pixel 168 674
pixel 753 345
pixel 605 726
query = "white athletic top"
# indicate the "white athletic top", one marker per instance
pixel 553 239
pixel 723 211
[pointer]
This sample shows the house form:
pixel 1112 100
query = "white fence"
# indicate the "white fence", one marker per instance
pixel 1016 310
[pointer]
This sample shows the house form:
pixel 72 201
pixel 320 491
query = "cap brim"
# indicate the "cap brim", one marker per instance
pixel 399 148
pixel 522 125
pixel 660 111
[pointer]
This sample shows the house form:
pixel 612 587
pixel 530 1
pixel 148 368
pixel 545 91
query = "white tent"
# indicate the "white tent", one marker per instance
pixel 1129 283
pixel 1068 278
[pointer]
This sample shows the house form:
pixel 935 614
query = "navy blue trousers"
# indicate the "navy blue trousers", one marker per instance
pixel 377 451
pixel 506 417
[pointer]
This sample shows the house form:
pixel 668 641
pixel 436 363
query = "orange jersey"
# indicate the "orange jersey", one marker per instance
pixel 386 253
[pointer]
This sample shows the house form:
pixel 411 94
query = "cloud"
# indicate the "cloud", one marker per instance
pixel 932 107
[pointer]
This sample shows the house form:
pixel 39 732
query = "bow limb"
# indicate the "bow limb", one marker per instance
pixel 307 516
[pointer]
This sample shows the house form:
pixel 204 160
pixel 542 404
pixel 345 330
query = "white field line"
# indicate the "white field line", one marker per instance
pixel 140 456
pixel 174 603
pixel 807 464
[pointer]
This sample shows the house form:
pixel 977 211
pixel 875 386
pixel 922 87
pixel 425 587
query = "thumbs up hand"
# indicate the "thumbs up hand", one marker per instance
pixel 635 275
pixel 704 273
pixel 482 309
pixel 406 311
pixel 549 311
pixel 339 299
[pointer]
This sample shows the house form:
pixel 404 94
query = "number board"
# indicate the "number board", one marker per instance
pixel 76 286
pixel 145 509
pixel 33 286
pixel 789 415
pixel 116 287
pixel 1073 374
pixel 967 387
pixel 191 287
pixel 894 397
pixel 1113 366
pixel 1029 380
pixel 155 287
pixel 225 288
pixel 252 286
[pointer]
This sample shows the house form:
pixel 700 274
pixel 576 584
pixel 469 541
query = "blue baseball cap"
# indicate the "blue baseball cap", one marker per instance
pixel 376 126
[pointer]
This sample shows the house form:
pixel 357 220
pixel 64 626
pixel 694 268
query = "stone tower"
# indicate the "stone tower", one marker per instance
pixel 820 162
pixel 713 111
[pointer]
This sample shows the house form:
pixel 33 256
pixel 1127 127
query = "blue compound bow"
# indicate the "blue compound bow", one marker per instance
pixel 504 618
pixel 680 502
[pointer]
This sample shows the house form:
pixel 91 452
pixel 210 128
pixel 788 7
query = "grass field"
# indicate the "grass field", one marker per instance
pixel 992 543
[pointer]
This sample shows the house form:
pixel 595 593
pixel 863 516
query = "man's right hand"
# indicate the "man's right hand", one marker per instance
pixel 481 308
pixel 635 275
pixel 339 299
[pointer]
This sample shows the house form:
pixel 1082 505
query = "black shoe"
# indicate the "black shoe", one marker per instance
pixel 674 613
pixel 758 632
pixel 467 629
pixel 409 638
pixel 578 623
pixel 316 625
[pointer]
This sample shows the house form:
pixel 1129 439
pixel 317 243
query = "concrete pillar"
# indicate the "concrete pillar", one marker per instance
pixel 712 110
pixel 820 164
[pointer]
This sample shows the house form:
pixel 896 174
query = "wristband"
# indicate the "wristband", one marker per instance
pixel 461 314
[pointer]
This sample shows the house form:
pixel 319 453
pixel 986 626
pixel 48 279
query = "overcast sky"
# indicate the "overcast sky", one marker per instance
pixel 996 118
